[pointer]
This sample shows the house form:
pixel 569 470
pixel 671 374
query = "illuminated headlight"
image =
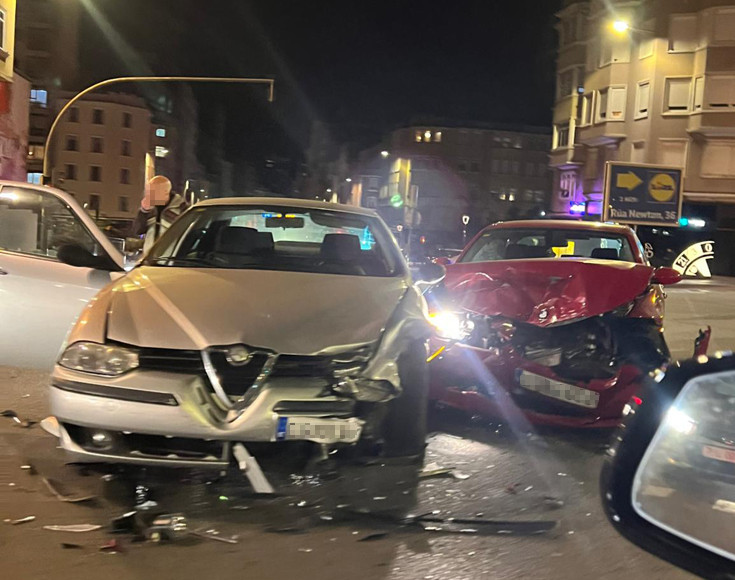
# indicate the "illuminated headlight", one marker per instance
pixel 681 422
pixel 99 359
pixel 451 326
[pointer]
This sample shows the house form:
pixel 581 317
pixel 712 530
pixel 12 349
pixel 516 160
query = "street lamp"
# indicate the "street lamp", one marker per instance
pixel 621 26
pixel 384 154
pixel 107 82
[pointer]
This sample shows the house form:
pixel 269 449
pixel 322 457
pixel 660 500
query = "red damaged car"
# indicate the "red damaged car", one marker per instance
pixel 555 319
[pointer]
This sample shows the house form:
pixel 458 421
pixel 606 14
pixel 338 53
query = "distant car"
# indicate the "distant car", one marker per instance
pixel 554 319
pixel 41 294
pixel 251 320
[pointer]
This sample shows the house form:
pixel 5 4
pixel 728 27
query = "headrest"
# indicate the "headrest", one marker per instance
pixel 264 241
pixel 520 252
pixel 605 254
pixel 235 240
pixel 341 247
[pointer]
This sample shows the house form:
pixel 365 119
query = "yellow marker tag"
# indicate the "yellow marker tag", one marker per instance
pixel 436 354
pixel 567 250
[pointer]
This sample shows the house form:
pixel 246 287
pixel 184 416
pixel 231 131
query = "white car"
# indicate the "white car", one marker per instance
pixel 53 260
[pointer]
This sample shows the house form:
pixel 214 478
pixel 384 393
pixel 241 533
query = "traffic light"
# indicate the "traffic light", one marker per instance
pixel 397 200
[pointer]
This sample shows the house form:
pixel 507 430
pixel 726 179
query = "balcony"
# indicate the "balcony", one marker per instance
pixel 568 157
pixel 608 133
pixel 712 124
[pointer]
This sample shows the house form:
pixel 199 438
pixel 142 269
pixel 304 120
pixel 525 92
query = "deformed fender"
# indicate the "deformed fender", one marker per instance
pixel 409 323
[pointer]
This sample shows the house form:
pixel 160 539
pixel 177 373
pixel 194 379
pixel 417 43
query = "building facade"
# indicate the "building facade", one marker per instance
pixel 650 82
pixel 99 153
pixel 488 173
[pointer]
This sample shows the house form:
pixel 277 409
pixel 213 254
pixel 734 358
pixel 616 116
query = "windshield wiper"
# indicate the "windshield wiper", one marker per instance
pixel 174 260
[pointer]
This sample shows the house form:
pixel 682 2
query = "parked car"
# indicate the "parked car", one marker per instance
pixel 558 319
pixel 252 320
pixel 42 231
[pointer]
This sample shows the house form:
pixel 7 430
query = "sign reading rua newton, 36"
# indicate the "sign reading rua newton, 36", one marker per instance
pixel 642 194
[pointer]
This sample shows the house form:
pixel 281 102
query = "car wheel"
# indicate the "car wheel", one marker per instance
pixel 404 428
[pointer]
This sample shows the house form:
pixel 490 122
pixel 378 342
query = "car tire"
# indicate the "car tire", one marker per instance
pixel 405 424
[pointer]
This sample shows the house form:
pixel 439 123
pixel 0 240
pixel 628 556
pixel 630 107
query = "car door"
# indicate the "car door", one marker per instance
pixel 40 297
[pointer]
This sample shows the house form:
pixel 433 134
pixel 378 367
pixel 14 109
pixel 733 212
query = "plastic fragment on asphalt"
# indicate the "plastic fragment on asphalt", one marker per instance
pixel 69 546
pixel 51 426
pixel 373 536
pixel 167 528
pixel 10 414
pixel 435 470
pixel 111 547
pixel 22 520
pixel 249 466
pixel 459 475
pixel 52 487
pixel 74 528
pixel 306 550
pixel 529 488
pixel 214 535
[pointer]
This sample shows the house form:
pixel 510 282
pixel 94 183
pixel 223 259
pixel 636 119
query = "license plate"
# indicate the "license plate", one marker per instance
pixel 319 430
pixel 718 453
pixel 558 390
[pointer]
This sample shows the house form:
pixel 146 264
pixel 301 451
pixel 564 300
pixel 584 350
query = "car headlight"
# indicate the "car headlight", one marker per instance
pixel 681 422
pixel 451 326
pixel 99 359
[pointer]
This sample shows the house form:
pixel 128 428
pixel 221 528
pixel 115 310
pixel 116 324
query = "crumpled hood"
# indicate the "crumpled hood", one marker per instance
pixel 288 312
pixel 546 291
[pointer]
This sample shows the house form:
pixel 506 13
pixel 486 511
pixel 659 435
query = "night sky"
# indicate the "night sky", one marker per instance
pixel 365 65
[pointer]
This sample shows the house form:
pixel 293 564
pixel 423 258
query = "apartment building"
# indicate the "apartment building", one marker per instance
pixel 99 153
pixel 645 81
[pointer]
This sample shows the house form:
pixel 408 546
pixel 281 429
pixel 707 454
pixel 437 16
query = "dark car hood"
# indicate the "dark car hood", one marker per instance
pixel 288 312
pixel 546 291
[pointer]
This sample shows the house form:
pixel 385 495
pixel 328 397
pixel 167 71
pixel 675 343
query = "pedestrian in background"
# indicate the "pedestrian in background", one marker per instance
pixel 159 208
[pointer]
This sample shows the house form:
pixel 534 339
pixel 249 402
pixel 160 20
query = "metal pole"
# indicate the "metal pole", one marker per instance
pixel 107 82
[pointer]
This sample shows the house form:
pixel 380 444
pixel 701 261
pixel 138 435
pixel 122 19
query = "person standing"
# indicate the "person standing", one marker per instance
pixel 159 208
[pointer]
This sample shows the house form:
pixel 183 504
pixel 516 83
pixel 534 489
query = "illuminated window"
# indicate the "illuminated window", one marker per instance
pixel 419 136
pixel 35 178
pixel 438 137
pixel 161 151
pixel 40 97
pixel 427 136
pixel 160 132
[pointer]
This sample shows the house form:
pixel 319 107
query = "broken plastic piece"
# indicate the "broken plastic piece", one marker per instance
pixel 51 426
pixel 75 528
pixel 213 535
pixel 10 414
pixel 68 546
pixel 53 488
pixel 111 547
pixel 23 520
pixel 434 470
pixel 249 466
pixel 373 536
pixel 167 528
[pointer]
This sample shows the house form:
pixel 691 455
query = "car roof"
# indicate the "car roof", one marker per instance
pixel 287 202
pixel 563 225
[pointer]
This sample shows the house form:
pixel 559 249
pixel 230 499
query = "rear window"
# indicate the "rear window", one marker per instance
pixel 524 244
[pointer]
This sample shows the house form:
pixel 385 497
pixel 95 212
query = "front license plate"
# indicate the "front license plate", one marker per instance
pixel 558 390
pixel 319 430
pixel 719 454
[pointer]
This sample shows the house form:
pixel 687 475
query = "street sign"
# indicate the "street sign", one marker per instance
pixel 642 194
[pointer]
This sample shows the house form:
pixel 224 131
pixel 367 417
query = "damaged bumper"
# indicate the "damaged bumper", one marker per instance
pixel 499 383
pixel 174 419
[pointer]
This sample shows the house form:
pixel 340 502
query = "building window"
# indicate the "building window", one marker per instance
pixel 427 136
pixel 530 169
pixel 94 202
pixel 126 148
pixel 542 169
pixel 437 136
pixel 516 168
pixel 125 176
pixel 35 178
pixel 611 104
pixel 161 132
pixel 505 166
pixel 35 151
pixel 672 152
pixel 587 103
pixel 565 84
pixel 495 166
pixel 676 96
pixel 719 92
pixel 718 159
pixel 512 194
pixel 39 97
pixel 127 120
pixel 98 117
pixel 74 115
pixel 70 172
pixel 419 136
pixel 614 50
pixel 96 145
pixel 642 100
pixel 683 33
pixel 123 204
pixel 161 151
pixel 562 136
pixel 724 24
pixel 95 173
pixel 72 143
pixel 3 45
pixel 645 48
pixel 462 167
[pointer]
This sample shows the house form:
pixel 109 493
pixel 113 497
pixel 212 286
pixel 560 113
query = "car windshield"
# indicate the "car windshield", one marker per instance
pixel 279 238
pixel 522 244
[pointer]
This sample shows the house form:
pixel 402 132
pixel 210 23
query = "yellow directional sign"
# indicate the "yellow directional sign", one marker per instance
pixel 628 181
pixel 662 187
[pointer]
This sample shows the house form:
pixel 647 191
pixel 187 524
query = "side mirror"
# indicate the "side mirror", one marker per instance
pixel 666 276
pixel 76 255
pixel 668 484
pixel 428 274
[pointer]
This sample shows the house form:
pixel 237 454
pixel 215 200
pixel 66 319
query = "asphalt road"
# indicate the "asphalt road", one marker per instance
pixel 331 526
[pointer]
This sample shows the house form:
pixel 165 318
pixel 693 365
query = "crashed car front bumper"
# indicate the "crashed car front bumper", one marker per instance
pixel 162 418
pixel 499 383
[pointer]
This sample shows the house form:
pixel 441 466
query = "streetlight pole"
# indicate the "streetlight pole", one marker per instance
pixel 235 80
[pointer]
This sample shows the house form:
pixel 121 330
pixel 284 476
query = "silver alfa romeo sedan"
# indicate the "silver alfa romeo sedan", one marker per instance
pixel 252 320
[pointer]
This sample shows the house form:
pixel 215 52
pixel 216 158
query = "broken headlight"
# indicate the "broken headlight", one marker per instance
pixel 451 326
pixel 365 390
pixel 99 359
